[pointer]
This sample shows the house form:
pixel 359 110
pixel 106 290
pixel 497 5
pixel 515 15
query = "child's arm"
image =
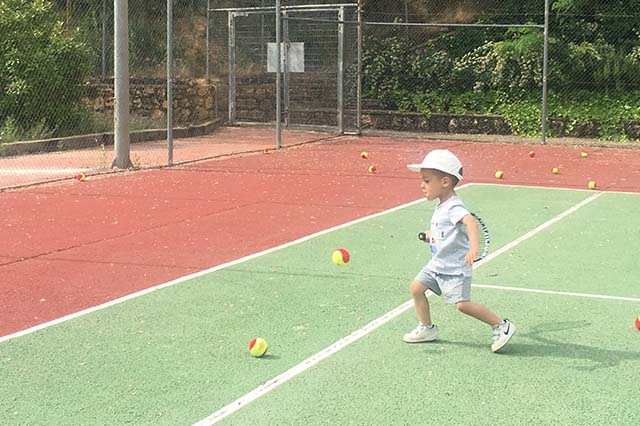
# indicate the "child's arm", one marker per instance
pixel 474 238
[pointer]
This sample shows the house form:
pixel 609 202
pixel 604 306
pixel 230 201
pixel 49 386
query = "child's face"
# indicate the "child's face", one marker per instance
pixel 433 185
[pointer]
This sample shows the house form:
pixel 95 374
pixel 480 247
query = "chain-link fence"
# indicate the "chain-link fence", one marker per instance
pixel 57 91
pixel 458 66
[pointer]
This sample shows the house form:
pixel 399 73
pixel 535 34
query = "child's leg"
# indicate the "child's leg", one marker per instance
pixel 478 311
pixel 421 302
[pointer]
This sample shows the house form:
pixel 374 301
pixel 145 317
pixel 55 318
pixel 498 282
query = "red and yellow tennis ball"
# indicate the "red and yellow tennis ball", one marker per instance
pixel 81 177
pixel 267 150
pixel 340 257
pixel 638 322
pixel 555 171
pixel 499 174
pixel 364 154
pixel 591 184
pixel 258 347
pixel 373 168
pixel 532 154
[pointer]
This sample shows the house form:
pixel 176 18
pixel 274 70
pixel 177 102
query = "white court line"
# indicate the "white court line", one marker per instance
pixel 371 326
pixel 558 293
pixel 558 188
pixel 20 172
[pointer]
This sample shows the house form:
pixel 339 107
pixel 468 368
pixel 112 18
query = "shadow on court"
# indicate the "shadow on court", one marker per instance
pixel 594 358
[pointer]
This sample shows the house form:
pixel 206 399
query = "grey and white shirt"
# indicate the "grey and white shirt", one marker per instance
pixel 449 239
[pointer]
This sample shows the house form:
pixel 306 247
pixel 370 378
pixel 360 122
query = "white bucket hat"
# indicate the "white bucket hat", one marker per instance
pixel 440 159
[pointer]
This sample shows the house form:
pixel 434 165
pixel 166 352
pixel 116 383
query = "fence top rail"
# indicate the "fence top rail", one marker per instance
pixel 259 9
pixel 416 24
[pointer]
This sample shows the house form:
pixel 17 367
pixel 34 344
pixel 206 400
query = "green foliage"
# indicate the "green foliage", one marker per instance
pixel 11 132
pixel 42 68
pixel 523 114
pixel 594 73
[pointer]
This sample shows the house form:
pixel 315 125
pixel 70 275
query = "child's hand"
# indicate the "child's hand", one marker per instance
pixel 470 257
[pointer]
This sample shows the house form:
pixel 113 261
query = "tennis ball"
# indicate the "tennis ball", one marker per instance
pixel 340 257
pixel 638 322
pixel 364 154
pixel 583 154
pixel 591 184
pixel 81 177
pixel 267 151
pixel 499 174
pixel 532 154
pixel 373 168
pixel 258 347
pixel 555 171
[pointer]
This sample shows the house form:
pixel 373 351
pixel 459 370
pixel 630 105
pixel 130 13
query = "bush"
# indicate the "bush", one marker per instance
pixel 42 67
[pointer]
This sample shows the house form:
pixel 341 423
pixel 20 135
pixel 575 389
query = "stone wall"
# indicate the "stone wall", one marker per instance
pixel 313 102
pixel 194 100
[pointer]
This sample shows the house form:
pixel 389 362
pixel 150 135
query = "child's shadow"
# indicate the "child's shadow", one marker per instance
pixel 547 347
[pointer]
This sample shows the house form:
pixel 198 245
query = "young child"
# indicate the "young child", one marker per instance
pixel 454 243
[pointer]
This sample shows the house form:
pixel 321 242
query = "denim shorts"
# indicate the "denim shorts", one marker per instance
pixel 453 288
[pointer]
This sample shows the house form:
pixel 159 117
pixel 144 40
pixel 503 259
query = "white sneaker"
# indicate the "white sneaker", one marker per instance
pixel 502 334
pixel 421 333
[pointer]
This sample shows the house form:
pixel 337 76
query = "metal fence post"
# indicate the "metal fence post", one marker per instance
pixel 170 82
pixel 340 87
pixel 545 72
pixel 278 74
pixel 104 40
pixel 207 71
pixel 232 67
pixel 359 71
pixel 122 145
pixel 286 75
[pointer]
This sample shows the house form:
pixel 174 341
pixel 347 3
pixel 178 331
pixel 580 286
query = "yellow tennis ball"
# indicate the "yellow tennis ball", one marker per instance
pixel 499 174
pixel 555 171
pixel 364 154
pixel 591 184
pixel 340 257
pixel 583 154
pixel 258 347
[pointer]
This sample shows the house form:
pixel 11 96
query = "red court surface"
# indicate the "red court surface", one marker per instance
pixel 74 245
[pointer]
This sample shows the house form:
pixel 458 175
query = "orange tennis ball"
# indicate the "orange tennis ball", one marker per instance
pixel 532 154
pixel 555 171
pixel 591 184
pixel 340 257
pixel 499 174
pixel 373 168
pixel 584 154
pixel 364 154
pixel 638 322
pixel 258 347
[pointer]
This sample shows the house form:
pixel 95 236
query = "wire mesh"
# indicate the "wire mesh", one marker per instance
pixel 57 86
pixel 426 65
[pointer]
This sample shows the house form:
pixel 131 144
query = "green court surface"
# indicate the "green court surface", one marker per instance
pixel 178 355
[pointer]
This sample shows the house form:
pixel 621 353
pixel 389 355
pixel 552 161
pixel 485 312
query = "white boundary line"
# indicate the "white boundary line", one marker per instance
pixel 538 229
pixel 557 293
pixel 20 172
pixel 513 185
pixel 371 326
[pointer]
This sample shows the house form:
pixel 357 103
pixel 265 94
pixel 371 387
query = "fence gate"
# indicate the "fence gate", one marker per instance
pixel 319 65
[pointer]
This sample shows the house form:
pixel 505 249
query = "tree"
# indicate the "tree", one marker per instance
pixel 42 67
